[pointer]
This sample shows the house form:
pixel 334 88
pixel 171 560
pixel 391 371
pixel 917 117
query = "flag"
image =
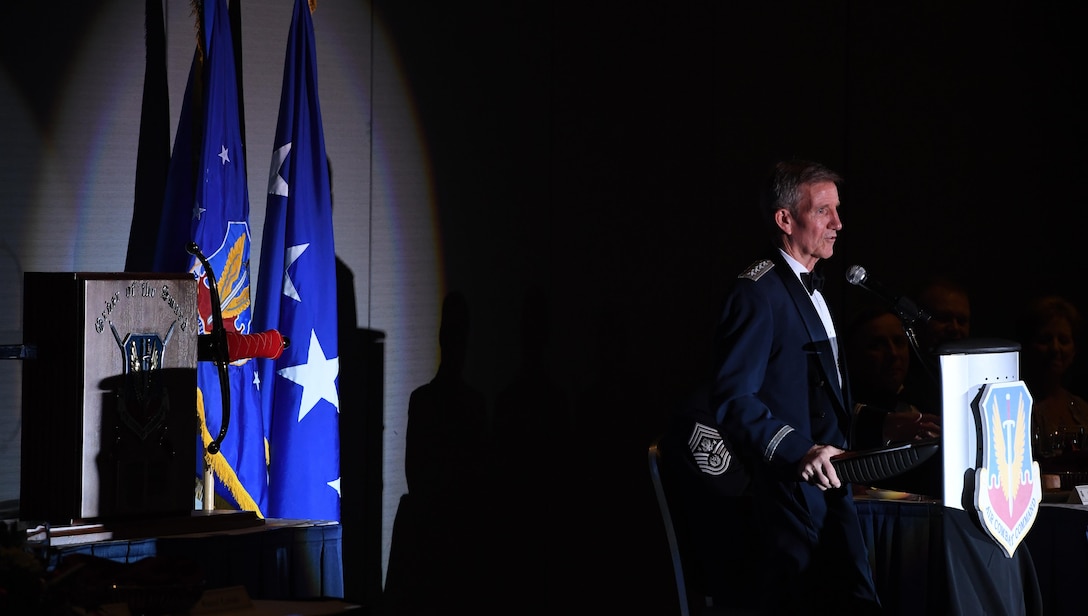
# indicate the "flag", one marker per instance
pixel 153 150
pixel 296 295
pixel 207 203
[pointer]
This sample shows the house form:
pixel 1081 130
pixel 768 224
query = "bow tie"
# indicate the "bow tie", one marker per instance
pixel 812 281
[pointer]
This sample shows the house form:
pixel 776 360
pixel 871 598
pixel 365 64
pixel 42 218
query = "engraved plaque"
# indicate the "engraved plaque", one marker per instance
pixel 109 400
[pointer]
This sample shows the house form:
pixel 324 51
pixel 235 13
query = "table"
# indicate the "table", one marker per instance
pixel 929 559
pixel 901 536
pixel 1059 546
pixel 276 560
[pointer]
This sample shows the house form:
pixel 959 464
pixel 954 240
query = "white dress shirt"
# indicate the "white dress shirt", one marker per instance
pixel 818 302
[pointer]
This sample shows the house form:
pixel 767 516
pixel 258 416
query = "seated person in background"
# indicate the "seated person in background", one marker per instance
pixel 949 306
pixel 878 357
pixel 1048 330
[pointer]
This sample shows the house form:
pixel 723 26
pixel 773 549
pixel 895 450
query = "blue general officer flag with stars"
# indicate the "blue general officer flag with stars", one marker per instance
pixel 297 296
pixel 217 212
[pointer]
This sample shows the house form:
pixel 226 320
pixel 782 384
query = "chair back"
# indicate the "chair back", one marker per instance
pixel 670 528
pixel 698 503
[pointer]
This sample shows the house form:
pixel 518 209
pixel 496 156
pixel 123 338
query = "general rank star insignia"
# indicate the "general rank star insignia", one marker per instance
pixel 756 270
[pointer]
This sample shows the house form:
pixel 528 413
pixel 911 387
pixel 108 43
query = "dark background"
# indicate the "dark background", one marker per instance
pixel 611 153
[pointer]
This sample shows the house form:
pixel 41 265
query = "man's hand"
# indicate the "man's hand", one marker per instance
pixel 906 426
pixel 816 468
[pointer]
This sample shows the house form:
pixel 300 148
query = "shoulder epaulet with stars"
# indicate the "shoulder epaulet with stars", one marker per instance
pixel 756 270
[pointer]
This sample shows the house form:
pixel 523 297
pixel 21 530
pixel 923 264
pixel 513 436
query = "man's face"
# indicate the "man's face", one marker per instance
pixel 880 354
pixel 810 236
pixel 951 317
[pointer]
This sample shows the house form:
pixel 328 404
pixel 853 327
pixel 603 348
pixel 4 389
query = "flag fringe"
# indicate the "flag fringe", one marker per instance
pixel 196 9
pixel 221 468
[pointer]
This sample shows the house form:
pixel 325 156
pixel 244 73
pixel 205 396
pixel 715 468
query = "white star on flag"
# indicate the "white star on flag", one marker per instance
pixel 223 155
pixel 293 253
pixel 335 485
pixel 276 184
pixel 317 377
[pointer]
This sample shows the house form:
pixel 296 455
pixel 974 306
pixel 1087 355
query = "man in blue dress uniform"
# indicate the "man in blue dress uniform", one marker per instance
pixel 781 400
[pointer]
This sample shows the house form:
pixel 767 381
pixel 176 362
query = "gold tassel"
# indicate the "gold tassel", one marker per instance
pixel 197 10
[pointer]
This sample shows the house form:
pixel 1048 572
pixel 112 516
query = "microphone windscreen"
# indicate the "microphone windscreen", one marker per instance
pixel 856 274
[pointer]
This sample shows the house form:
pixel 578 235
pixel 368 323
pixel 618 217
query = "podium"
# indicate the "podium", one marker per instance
pixel 986 452
pixel 990 484
pixel 109 396
pixel 960 552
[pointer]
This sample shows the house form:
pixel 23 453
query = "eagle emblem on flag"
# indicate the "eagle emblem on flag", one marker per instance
pixel 231 261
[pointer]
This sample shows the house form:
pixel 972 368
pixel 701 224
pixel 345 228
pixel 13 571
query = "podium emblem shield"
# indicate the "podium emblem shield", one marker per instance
pixel 1008 489
pixel 142 402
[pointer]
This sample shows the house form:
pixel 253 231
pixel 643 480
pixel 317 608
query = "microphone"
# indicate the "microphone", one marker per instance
pixel 268 345
pixel 904 307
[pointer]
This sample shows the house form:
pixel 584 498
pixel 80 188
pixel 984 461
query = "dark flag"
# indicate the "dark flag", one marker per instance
pixel 297 296
pixel 153 150
pixel 208 203
pixel 178 205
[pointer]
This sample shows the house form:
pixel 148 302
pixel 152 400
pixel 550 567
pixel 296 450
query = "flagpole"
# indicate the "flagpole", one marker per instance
pixel 208 502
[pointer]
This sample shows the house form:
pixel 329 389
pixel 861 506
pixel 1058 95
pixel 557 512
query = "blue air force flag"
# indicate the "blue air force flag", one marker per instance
pixel 296 295
pixel 216 214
